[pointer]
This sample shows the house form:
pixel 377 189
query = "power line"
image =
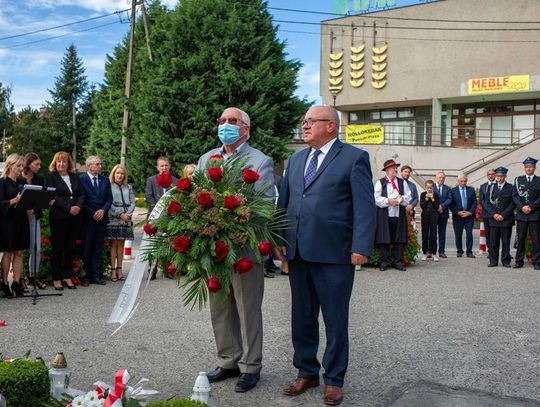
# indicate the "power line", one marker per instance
pixel 402 18
pixel 411 28
pixel 415 39
pixel 63 25
pixel 59 36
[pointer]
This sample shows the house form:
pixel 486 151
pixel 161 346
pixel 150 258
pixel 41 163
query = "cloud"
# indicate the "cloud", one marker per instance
pixel 97 5
pixel 309 81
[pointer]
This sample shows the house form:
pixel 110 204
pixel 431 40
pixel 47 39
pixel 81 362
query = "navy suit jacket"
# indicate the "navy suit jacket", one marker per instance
pixel 336 214
pixel 95 200
pixel 445 200
pixel 484 193
pixel 457 205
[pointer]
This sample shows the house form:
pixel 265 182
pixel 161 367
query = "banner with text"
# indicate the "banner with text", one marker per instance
pixel 364 134
pixel 516 83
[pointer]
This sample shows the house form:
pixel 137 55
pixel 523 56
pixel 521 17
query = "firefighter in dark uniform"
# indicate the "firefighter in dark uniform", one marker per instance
pixel 527 200
pixel 501 218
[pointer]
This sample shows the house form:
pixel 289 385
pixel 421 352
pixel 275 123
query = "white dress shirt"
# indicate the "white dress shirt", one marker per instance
pixel 323 152
pixel 382 202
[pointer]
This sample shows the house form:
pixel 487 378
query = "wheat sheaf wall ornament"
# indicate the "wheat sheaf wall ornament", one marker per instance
pixel 379 61
pixel 357 61
pixel 335 73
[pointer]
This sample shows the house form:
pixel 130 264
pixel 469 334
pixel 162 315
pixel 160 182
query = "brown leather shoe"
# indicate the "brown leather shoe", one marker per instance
pixel 299 386
pixel 333 395
pixel 443 256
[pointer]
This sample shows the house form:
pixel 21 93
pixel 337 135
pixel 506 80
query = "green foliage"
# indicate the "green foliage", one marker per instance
pixel 71 92
pixel 177 402
pixel 207 55
pixel 27 134
pixel 6 108
pixel 24 382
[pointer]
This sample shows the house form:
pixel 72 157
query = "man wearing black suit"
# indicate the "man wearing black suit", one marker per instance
pixel 98 201
pixel 328 195
pixel 527 200
pixel 484 193
pixel 445 200
pixel 501 218
pixel 463 209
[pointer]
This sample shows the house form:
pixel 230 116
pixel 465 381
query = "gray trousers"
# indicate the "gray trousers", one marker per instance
pixel 237 322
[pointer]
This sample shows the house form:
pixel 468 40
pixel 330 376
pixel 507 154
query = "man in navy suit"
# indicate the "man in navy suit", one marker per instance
pixel 327 192
pixel 98 201
pixel 463 210
pixel 445 200
pixel 483 201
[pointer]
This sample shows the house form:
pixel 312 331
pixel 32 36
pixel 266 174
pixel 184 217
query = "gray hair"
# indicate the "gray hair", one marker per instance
pixel 92 158
pixel 245 117
pixel 462 176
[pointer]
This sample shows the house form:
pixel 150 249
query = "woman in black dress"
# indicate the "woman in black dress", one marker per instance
pixel 30 175
pixel 64 218
pixel 15 236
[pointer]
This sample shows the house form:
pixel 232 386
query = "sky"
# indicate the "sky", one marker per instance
pixel 30 63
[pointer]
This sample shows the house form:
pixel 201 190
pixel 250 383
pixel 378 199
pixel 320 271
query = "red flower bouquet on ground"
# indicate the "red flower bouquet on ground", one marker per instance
pixel 213 226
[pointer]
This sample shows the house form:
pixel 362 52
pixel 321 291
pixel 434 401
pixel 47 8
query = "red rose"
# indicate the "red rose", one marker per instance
pixel 149 229
pixel 164 180
pixel 250 176
pixel 183 184
pixel 174 208
pixel 265 248
pixel 181 243
pixel 221 250
pixel 213 284
pixel 243 265
pixel 215 174
pixel 231 202
pixel 171 270
pixel 205 200
pixel 216 157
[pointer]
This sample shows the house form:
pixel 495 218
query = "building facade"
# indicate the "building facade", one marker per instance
pixel 455 84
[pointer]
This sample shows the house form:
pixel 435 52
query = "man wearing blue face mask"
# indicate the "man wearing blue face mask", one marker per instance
pixel 237 321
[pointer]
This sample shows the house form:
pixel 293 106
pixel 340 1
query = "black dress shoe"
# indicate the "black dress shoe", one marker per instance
pixel 85 283
pixel 401 268
pixel 537 266
pixel 268 273
pixel 246 382
pixel 460 254
pixel 518 266
pixel 506 265
pixel 492 265
pixel 383 268
pixel 220 373
pixel 471 256
pixel 98 282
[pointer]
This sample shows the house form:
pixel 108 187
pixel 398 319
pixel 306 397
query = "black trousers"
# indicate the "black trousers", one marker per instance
pixel 488 231
pixel 64 233
pixel 522 228
pixel 500 239
pixel 384 249
pixel 429 232
pixel 442 223
pixel 461 224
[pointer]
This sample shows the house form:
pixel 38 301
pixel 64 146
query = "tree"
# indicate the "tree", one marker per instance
pixel 208 55
pixel 27 134
pixel 6 111
pixel 68 108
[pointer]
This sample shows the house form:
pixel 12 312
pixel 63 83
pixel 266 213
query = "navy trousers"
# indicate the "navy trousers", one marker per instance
pixel 442 224
pixel 93 235
pixel 316 287
pixel 461 224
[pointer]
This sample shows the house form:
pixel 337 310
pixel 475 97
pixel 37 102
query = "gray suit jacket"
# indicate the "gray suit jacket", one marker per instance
pixel 257 161
pixel 152 192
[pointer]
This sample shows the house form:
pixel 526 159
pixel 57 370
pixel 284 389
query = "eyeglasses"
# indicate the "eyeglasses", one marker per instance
pixel 310 122
pixel 98 164
pixel 231 120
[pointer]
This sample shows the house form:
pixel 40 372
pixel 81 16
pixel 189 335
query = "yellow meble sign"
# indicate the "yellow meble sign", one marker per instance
pixel 516 83
pixel 364 134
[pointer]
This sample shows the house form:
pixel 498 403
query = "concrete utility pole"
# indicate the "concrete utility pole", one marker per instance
pixel 74 129
pixel 127 90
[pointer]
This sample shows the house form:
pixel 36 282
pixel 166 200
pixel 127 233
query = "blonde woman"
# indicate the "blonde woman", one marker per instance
pixel 15 236
pixel 189 170
pixel 120 226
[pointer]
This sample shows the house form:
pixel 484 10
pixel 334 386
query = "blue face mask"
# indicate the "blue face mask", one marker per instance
pixel 228 134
